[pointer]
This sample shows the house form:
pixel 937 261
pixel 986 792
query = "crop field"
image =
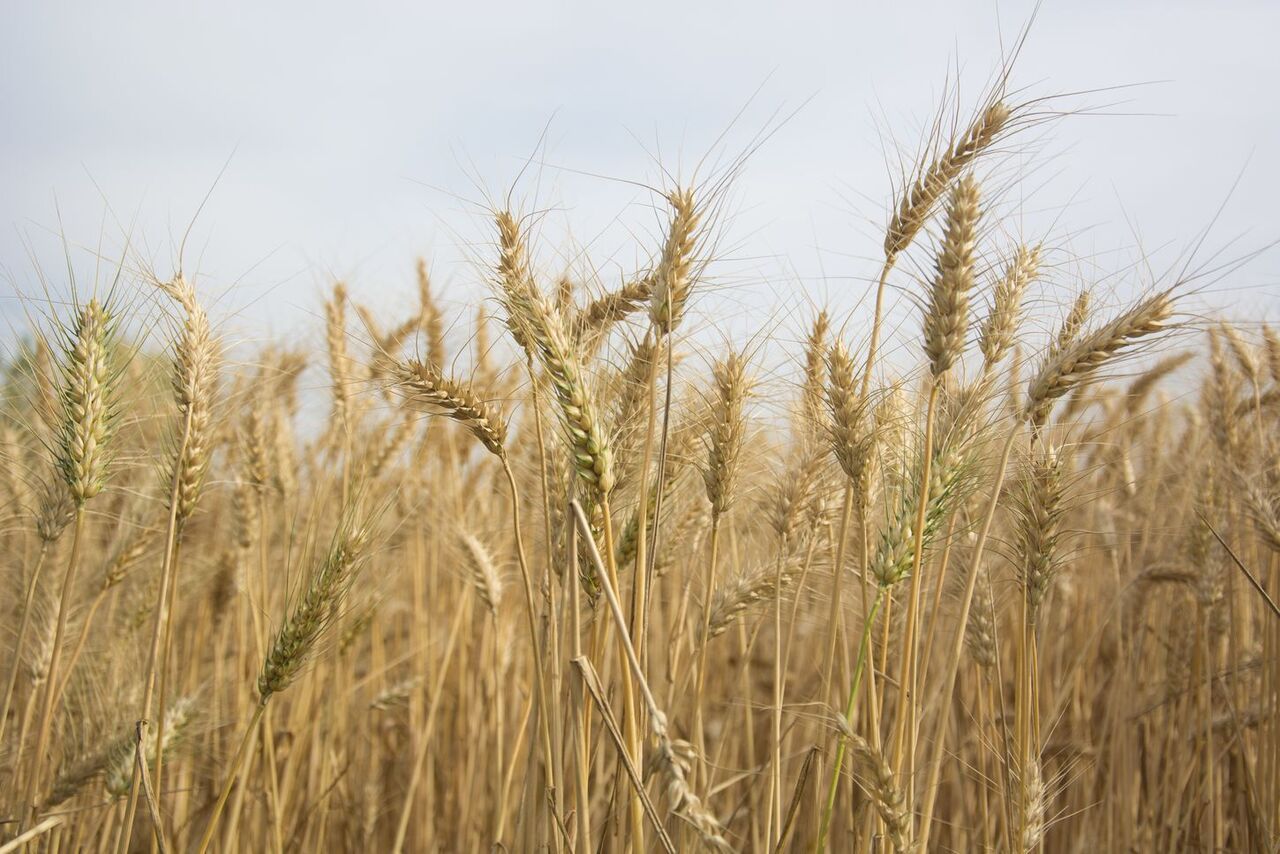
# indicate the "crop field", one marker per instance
pixel 564 567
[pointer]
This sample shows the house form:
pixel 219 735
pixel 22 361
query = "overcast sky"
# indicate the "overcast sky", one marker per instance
pixel 358 136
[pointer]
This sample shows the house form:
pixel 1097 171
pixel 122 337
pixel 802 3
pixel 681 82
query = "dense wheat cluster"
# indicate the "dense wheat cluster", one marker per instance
pixel 543 582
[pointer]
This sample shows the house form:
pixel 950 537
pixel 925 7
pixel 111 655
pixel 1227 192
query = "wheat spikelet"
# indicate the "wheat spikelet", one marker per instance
pixel 225 585
pixel 178 719
pixel 1262 501
pixel 389 342
pixel 849 430
pixel 727 430
pixel 1141 387
pixel 1221 388
pixel 87 415
pixel 1072 323
pixel 127 555
pixel 797 496
pixel 392 440
pixel 673 759
pixel 480 337
pixel 81 772
pixel 1179 648
pixel 1245 354
pixel 397 695
pixel 886 794
pixel 1001 325
pixel 242 516
pixel 481 570
pixel 355 627
pixel 1072 364
pixel 980 630
pixel 55 511
pixel 934 179
pixel 1040 509
pixel 1271 344
pixel 812 412
pixel 1032 807
pixel 284 475
pixel 946 318
pixel 754 586
pixel 195 377
pixel 45 623
pixel 595 321
pixel 11 455
pixel 589 444
pixel 255 443
pixel 950 479
pixel 423 386
pixel 430 318
pixel 631 398
pixel 517 290
pixel 313 616
pixel 563 295
pixel 672 280
pixel 335 318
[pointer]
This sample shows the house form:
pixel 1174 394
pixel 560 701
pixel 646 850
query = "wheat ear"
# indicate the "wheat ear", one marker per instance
pixel 672 279
pixel 946 318
pixel 1073 363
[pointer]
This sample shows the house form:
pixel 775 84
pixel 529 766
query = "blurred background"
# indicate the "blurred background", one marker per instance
pixel 345 140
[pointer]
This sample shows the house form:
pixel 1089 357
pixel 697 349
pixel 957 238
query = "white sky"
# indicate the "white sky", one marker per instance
pixel 361 135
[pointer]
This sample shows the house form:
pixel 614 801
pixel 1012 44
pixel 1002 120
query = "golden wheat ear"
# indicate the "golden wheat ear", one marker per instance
pixel 946 319
pixel 88 395
pixel 196 357
pixel 727 432
pixel 850 431
pixel 423 387
pixel 482 572
pixel 672 282
pixel 934 178
pixel 1001 325
pixel 589 442
pixel 1075 358
pixel 884 789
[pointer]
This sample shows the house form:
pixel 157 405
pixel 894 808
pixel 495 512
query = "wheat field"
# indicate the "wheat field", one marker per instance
pixel 551 575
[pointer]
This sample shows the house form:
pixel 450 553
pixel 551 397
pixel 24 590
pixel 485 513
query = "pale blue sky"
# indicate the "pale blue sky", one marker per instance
pixel 361 135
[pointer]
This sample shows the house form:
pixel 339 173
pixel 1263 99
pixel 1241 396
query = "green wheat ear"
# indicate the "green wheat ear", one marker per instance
pixel 316 610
